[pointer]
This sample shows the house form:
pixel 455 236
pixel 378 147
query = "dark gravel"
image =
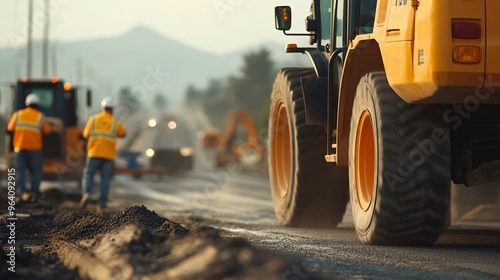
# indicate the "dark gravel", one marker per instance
pixel 160 248
pixel 75 225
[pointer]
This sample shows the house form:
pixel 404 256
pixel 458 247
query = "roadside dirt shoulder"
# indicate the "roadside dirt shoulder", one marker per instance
pixel 60 241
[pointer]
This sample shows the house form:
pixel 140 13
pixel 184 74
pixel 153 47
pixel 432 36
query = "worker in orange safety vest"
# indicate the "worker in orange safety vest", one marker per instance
pixel 27 125
pixel 101 132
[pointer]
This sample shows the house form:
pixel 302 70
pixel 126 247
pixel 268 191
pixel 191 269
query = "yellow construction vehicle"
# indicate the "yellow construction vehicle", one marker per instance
pixel 231 147
pixel 63 149
pixel 403 98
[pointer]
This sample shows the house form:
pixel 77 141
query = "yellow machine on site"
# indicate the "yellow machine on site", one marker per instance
pixel 403 98
pixel 63 149
pixel 230 145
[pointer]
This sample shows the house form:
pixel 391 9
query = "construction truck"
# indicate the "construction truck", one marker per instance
pixel 63 149
pixel 153 149
pixel 234 145
pixel 402 99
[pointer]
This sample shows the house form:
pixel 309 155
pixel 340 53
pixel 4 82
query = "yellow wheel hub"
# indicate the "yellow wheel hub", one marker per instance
pixel 281 147
pixel 365 161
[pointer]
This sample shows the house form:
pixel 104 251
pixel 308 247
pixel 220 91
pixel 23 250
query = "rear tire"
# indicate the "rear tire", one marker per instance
pixel 399 166
pixel 307 191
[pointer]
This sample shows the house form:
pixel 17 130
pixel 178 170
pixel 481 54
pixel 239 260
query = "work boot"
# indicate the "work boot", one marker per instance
pixel 18 200
pixel 26 197
pixel 84 201
pixel 102 210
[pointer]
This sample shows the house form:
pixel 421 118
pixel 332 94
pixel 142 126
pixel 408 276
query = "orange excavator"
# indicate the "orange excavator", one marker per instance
pixel 230 145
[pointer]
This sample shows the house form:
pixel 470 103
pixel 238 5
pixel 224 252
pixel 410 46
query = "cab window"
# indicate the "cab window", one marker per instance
pixel 46 96
pixel 339 27
pixel 326 16
pixel 367 16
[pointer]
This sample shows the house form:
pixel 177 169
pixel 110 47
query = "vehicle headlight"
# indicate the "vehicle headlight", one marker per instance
pixel 152 123
pixel 186 151
pixel 150 152
pixel 172 125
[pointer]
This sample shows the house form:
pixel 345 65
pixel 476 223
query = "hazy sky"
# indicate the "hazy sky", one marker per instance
pixel 218 26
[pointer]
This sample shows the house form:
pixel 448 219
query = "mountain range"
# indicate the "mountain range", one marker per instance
pixel 141 59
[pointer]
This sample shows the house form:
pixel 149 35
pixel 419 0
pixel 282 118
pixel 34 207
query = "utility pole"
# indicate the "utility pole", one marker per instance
pixel 30 43
pixel 45 60
pixel 54 61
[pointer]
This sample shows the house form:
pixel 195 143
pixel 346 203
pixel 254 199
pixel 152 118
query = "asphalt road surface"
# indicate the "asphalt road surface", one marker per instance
pixel 239 203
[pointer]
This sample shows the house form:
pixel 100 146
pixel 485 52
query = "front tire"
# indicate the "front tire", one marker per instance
pixel 399 166
pixel 307 191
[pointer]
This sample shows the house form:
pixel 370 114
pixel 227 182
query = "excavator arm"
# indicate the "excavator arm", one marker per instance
pixel 231 147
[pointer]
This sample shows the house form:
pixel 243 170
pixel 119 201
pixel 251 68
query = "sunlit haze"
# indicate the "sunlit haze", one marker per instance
pixel 166 37
pixel 217 26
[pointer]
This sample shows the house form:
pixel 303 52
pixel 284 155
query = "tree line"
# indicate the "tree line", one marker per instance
pixel 249 89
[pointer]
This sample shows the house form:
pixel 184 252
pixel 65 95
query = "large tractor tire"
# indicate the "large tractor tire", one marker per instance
pixel 399 166
pixel 307 191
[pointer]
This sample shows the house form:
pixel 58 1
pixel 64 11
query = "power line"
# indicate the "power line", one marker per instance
pixel 30 43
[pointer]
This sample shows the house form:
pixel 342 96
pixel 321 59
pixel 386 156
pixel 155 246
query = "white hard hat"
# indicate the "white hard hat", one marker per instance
pixel 32 99
pixel 108 102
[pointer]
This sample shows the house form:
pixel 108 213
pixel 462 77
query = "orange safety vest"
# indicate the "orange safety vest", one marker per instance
pixel 101 131
pixel 28 125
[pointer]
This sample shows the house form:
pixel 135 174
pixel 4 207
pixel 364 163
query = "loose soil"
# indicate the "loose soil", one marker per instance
pixel 60 241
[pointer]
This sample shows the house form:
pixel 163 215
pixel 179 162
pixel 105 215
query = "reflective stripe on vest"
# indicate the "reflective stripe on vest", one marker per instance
pixel 110 136
pixel 27 125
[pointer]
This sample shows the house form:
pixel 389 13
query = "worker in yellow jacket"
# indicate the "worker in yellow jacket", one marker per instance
pixel 101 132
pixel 27 125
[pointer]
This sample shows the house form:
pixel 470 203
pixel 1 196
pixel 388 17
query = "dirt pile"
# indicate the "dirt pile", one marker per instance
pixel 136 243
pixel 75 225
pixel 33 256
